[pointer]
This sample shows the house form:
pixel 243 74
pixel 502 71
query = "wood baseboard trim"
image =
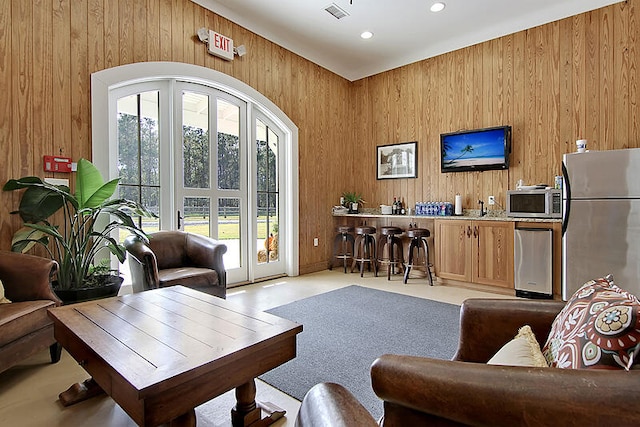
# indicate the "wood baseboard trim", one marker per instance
pixel 476 286
pixel 312 268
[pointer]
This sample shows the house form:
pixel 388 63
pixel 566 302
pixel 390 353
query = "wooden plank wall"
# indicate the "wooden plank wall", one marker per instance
pixel 571 79
pixel 574 78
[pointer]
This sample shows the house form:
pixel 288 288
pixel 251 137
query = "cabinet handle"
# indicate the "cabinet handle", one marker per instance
pixel 468 231
pixel 475 231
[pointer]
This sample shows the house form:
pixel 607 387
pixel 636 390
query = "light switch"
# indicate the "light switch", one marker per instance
pixel 57 181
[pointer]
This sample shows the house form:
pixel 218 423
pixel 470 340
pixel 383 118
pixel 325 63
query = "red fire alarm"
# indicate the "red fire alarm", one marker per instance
pixel 57 164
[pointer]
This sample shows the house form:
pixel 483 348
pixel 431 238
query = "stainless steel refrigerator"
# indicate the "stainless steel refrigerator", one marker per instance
pixel 601 224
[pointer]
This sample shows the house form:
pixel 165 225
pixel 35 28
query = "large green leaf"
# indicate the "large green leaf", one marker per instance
pixel 40 199
pixel 131 208
pixel 39 203
pixel 16 184
pixel 91 190
pixel 26 237
pixel 50 230
pixel 102 194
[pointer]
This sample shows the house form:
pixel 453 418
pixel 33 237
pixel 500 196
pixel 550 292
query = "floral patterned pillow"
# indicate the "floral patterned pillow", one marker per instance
pixel 599 328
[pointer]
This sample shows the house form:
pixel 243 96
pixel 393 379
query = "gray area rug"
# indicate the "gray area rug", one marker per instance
pixel 347 329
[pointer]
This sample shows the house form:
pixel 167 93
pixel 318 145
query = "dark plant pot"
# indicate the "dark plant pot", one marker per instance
pixel 110 289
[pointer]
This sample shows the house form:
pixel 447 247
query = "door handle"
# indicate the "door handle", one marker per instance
pixel 475 231
pixel 468 231
pixel 180 218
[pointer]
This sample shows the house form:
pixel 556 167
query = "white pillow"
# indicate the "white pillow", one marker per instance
pixel 3 300
pixel 523 350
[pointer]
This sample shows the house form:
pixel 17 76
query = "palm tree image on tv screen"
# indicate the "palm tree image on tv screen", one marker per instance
pixel 482 149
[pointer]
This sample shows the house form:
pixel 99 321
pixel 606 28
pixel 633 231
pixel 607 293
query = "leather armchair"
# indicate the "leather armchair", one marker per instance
pixel 177 258
pixel 25 327
pixel 420 391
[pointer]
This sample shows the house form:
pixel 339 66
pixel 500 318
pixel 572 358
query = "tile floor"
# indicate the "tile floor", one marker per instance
pixel 29 392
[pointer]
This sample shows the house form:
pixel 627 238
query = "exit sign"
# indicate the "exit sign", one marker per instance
pixel 221 46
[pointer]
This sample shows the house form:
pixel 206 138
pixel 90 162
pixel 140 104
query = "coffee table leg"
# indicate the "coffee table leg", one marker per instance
pixel 246 411
pixel 79 392
pixel 185 420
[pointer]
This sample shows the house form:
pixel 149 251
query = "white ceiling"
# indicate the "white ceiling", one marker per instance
pixel 405 31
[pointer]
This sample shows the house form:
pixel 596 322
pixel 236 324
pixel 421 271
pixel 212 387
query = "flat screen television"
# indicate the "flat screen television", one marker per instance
pixel 475 150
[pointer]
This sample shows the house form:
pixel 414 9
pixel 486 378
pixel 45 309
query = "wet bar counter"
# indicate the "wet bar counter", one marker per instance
pixel 469 250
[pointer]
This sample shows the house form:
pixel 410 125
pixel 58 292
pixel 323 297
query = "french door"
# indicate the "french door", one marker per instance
pixel 267 196
pixel 208 164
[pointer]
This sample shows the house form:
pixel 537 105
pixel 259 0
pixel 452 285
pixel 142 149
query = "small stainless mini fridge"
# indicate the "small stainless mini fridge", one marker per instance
pixel 533 263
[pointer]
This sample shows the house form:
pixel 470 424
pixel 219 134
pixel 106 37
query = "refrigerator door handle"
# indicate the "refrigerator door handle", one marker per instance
pixel 567 199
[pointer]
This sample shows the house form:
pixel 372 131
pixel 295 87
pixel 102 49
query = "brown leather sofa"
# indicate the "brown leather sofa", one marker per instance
pixel 418 391
pixel 25 327
pixel 177 258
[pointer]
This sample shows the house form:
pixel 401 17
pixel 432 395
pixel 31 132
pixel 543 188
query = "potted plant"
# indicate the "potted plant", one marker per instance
pixel 352 200
pixel 85 231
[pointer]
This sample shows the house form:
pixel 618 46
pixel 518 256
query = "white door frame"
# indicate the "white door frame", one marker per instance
pixel 104 154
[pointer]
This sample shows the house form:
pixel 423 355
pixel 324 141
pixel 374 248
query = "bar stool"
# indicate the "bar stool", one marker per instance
pixel 418 241
pixel 365 249
pixel 343 245
pixel 390 242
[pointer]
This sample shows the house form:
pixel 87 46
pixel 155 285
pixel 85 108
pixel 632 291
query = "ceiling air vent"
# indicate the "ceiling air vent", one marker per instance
pixel 336 11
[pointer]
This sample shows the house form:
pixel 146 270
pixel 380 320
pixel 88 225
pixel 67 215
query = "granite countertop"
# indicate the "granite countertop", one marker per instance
pixel 474 214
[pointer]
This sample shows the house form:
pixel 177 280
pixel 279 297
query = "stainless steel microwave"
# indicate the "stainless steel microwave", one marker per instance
pixel 539 203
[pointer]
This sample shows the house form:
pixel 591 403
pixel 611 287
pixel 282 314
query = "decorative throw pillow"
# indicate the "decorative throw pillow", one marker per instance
pixel 3 300
pixel 523 350
pixel 598 328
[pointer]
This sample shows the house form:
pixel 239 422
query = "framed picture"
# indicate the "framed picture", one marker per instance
pixel 397 160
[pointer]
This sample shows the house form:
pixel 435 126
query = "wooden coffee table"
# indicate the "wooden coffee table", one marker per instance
pixel 161 353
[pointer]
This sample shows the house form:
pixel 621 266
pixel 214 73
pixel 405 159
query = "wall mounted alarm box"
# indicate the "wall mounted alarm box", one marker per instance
pixel 57 164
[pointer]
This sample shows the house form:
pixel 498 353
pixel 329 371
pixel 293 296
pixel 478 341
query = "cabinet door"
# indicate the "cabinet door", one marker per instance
pixel 493 253
pixel 453 249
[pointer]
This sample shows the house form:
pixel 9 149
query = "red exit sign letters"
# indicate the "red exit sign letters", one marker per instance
pixel 220 46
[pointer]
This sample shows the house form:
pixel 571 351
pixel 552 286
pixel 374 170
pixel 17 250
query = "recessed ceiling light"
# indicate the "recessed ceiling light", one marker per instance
pixel 437 7
pixel 366 35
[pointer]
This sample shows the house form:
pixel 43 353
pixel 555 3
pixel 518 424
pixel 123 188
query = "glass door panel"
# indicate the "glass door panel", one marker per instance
pixel 232 192
pixel 230 232
pixel 195 140
pixel 138 162
pixel 228 125
pixel 267 198
pixel 138 154
pixel 267 226
pixel 197 215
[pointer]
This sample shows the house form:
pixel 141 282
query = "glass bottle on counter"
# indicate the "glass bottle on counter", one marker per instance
pixel 403 210
pixel 394 207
